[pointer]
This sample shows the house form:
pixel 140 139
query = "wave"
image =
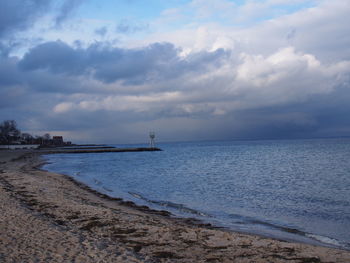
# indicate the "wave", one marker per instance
pixel 327 241
pixel 180 207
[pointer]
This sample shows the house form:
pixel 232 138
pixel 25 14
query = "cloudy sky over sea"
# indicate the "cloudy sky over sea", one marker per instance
pixel 113 70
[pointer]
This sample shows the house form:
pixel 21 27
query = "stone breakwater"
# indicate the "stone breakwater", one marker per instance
pixel 97 150
pixel 48 217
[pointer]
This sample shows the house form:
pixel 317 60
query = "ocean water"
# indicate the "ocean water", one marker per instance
pixel 297 190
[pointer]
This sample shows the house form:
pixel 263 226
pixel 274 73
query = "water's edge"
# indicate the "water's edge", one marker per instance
pixel 166 208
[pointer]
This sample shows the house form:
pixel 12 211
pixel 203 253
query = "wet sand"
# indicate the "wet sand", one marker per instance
pixel 48 217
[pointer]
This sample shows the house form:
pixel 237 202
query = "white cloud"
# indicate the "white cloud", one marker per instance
pixel 63 107
pixel 288 76
pixel 239 82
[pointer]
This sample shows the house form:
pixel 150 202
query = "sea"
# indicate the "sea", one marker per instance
pixel 293 190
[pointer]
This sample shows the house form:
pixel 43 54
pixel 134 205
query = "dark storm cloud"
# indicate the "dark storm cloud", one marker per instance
pixel 16 84
pixel 12 91
pixel 323 115
pixel 107 64
pixel 20 14
pixel 331 112
pixel 9 72
pixel 7 46
pixel 57 57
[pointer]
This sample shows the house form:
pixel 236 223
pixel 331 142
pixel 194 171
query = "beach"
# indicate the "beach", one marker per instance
pixel 48 217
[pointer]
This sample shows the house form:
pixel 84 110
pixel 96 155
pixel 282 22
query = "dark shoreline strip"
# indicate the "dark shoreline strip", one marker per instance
pixel 99 150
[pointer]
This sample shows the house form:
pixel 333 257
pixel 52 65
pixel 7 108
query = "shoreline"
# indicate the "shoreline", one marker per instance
pixel 275 231
pixel 95 226
pixel 299 236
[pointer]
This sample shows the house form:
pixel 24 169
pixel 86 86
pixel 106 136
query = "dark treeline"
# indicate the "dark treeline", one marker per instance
pixel 10 134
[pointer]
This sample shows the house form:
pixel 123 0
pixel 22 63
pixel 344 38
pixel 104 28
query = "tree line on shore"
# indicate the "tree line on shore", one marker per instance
pixel 10 134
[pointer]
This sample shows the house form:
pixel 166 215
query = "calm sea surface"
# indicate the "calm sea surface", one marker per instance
pixel 290 189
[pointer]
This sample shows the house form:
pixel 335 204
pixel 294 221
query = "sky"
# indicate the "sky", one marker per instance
pixel 111 71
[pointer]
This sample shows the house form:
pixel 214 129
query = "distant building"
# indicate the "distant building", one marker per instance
pixel 57 140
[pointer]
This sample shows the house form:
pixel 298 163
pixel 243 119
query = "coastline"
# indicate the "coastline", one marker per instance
pixel 49 217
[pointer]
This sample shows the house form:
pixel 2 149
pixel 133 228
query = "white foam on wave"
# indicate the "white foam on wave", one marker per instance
pixel 325 240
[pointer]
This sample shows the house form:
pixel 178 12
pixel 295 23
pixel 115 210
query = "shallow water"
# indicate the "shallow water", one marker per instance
pixel 292 189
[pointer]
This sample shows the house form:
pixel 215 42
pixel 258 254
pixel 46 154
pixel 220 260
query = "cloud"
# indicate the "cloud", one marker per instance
pixel 66 10
pixel 102 31
pixel 320 28
pixel 9 72
pixel 25 23
pixel 288 75
pixel 19 15
pixel 220 81
pixel 156 82
pixel 128 27
pixel 57 57
pixel 134 66
pixel 285 77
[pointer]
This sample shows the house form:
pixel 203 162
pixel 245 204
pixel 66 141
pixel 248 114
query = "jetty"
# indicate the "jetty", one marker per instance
pixel 96 150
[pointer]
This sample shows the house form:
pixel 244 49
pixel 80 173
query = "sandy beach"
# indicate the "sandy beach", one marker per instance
pixel 48 217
